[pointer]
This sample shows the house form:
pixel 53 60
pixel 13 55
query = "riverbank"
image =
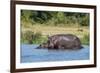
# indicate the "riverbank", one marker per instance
pixel 44 31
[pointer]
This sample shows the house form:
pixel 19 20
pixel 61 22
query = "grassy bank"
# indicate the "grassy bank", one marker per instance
pixel 40 33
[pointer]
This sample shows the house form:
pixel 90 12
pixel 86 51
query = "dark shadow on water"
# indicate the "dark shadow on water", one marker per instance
pixel 52 49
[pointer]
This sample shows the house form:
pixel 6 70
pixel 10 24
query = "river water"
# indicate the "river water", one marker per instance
pixel 30 54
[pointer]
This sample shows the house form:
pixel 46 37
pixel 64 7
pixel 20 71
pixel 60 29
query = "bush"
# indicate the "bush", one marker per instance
pixel 27 37
pixel 85 40
pixel 31 37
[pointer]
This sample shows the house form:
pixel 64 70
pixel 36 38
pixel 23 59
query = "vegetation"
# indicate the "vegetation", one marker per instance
pixel 85 39
pixel 54 18
pixel 32 38
pixel 38 25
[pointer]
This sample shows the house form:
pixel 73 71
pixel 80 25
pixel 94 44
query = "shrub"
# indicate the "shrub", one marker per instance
pixel 27 36
pixel 31 37
pixel 85 40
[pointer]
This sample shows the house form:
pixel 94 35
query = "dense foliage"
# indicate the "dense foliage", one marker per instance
pixel 55 18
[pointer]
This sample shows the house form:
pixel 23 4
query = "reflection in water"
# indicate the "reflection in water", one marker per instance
pixel 30 54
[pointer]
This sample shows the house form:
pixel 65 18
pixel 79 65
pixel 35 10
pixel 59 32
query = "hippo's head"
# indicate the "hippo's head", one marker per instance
pixel 50 43
pixel 43 45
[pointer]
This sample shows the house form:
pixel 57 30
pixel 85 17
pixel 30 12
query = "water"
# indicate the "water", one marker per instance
pixel 30 54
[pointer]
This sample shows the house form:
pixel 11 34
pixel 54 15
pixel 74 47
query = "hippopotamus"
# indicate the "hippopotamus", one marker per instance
pixel 62 41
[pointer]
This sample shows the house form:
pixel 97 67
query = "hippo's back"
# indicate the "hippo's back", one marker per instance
pixel 69 37
pixel 67 40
